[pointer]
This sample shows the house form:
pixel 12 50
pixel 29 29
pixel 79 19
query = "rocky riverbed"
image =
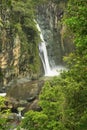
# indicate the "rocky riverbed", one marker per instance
pixel 24 93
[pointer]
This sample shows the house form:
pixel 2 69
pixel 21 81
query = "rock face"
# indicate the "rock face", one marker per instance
pixel 13 63
pixel 25 93
pixel 19 56
pixel 9 60
pixel 26 90
pixel 49 17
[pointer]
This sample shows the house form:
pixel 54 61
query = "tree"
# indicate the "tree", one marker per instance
pixel 50 118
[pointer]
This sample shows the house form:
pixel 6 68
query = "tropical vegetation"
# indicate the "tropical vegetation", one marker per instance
pixel 64 99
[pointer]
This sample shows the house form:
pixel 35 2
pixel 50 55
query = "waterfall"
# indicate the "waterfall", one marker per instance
pixel 2 94
pixel 44 56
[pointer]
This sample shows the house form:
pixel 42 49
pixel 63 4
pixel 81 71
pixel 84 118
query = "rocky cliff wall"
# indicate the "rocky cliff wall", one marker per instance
pixel 49 17
pixel 9 59
pixel 19 56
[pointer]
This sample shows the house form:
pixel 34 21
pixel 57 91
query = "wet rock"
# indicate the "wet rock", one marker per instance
pixel 25 94
pixel 30 99
pixel 27 90
pixel 32 106
pixel 49 18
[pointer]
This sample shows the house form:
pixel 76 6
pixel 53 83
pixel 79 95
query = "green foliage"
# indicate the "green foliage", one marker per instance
pixel 76 20
pixel 51 101
pixel 24 25
pixel 17 19
pixel 64 99
pixel 2 101
pixel 35 120
pixel 3 115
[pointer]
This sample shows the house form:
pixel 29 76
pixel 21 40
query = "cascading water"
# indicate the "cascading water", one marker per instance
pixel 43 54
pixel 44 57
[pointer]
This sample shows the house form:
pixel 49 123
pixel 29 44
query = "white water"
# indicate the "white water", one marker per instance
pixel 2 94
pixel 44 57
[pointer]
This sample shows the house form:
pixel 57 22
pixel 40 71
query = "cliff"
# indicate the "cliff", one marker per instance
pixel 19 56
pixel 50 18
